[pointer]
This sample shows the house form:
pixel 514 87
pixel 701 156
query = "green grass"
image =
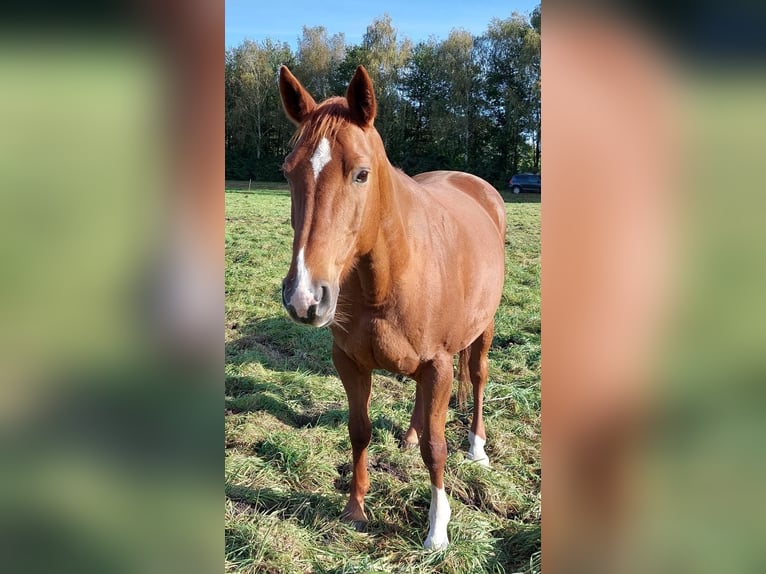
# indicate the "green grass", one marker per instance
pixel 287 449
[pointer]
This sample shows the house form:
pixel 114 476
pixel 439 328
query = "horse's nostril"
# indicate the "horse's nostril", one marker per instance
pixel 322 293
pixel 325 294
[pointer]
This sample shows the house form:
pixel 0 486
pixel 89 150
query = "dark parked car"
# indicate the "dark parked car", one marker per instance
pixel 524 182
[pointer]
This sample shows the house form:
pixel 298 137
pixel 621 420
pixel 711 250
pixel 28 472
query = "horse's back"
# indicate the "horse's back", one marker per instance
pixel 479 190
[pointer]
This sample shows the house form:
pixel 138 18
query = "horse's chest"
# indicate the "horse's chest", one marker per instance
pixel 377 344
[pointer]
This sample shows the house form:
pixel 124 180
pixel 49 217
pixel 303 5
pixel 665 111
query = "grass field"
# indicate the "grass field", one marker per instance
pixel 287 449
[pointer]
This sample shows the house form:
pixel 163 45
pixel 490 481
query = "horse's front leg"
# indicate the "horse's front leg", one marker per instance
pixel 357 382
pixel 435 383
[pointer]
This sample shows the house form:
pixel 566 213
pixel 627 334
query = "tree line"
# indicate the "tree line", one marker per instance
pixel 469 103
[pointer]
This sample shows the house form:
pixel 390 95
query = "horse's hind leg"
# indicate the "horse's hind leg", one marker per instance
pixel 478 368
pixel 412 436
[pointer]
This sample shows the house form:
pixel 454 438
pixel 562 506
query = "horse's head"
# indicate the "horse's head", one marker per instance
pixel 333 172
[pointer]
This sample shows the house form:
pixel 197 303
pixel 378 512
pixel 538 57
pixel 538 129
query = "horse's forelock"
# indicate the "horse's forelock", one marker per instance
pixel 324 122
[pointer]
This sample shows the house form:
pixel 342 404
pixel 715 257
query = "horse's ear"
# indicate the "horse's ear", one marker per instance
pixel 361 98
pixel 297 102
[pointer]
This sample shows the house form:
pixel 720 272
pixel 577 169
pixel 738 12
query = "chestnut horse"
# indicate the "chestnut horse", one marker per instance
pixel 406 272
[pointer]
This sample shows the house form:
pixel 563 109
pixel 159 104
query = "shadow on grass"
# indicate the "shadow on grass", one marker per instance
pixel 515 544
pixel 282 345
pixel 306 507
pixel 295 354
pixel 311 509
pixel 251 396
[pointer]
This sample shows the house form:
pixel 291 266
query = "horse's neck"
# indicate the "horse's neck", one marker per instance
pixel 379 269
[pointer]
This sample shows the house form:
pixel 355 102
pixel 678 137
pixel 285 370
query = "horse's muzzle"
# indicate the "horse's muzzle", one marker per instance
pixel 309 304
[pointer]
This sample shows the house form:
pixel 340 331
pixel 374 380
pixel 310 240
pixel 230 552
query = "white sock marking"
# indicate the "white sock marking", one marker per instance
pixel 302 297
pixel 476 449
pixel 438 518
pixel 321 157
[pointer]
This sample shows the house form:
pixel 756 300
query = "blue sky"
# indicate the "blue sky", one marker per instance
pixel 282 20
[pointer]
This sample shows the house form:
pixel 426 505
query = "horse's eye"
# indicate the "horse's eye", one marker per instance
pixel 361 177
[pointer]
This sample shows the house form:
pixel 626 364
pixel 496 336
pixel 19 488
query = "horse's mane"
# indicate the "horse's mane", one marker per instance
pixel 324 122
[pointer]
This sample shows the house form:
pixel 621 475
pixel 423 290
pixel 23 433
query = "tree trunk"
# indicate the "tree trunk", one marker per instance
pixel 537 150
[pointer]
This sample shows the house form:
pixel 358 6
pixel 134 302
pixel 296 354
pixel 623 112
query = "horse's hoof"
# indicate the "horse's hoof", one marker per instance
pixel 359 525
pixel 411 438
pixel 434 543
pixel 356 517
pixel 484 461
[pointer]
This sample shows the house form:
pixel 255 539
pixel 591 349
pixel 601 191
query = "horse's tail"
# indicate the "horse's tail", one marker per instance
pixel 463 377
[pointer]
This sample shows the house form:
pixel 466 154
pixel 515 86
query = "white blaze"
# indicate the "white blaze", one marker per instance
pixel 476 449
pixel 321 157
pixel 302 297
pixel 438 518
